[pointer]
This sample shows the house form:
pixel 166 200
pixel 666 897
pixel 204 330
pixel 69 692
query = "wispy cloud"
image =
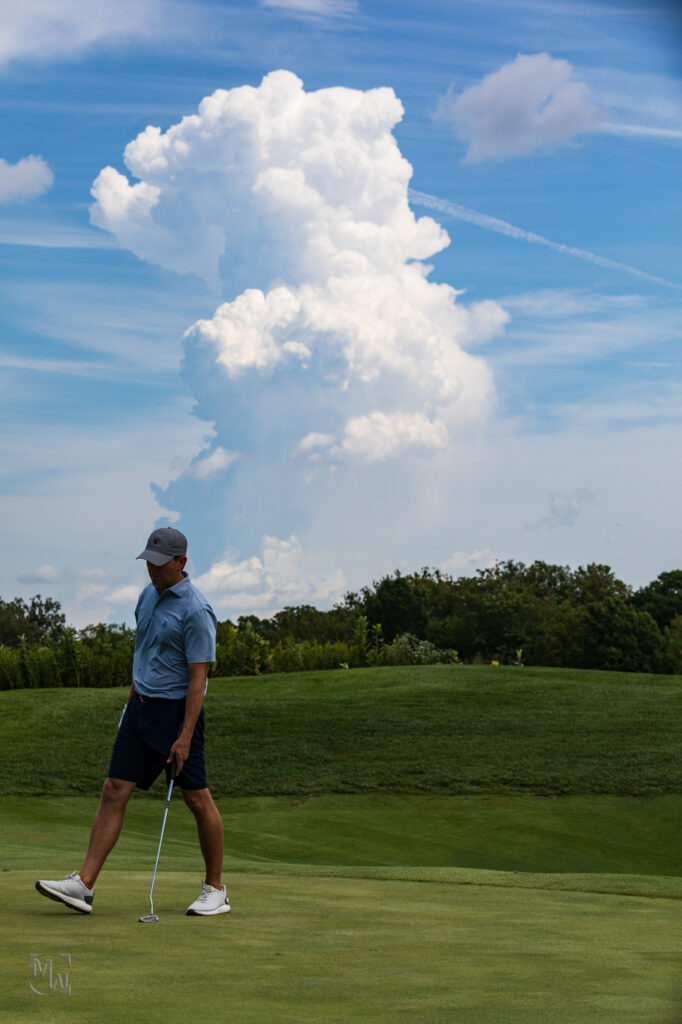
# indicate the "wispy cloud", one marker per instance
pixel 547 330
pixel 482 220
pixel 52 236
pixel 636 103
pixel 564 509
pixel 674 134
pixel 44 30
pixel 315 9
pixel 66 367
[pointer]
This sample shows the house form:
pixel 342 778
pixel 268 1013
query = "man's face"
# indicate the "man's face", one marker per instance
pixel 165 576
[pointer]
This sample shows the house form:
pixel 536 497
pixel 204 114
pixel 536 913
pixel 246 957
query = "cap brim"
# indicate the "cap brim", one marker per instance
pixel 155 557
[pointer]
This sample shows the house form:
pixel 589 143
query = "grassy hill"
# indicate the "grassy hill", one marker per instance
pixel 442 729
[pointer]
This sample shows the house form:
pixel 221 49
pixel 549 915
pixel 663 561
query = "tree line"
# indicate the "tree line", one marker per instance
pixel 511 613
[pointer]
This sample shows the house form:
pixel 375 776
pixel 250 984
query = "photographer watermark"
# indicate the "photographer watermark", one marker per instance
pixel 47 975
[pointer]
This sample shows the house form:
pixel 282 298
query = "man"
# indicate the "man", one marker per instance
pixel 162 725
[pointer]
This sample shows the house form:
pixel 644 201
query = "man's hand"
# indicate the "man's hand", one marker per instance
pixel 179 752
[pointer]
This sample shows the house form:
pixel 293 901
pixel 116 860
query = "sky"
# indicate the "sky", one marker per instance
pixel 337 288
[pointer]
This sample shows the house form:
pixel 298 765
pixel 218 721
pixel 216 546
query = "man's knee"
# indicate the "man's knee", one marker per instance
pixel 116 792
pixel 199 801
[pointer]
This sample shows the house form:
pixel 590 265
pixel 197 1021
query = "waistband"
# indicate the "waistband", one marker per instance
pixel 157 700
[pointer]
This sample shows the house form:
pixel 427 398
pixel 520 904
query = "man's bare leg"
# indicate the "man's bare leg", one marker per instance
pixel 106 827
pixel 210 829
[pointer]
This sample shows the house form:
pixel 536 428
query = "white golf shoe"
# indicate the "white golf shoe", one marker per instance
pixel 71 892
pixel 212 901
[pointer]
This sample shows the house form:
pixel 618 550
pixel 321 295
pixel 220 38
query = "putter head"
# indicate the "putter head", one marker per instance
pixel 148 919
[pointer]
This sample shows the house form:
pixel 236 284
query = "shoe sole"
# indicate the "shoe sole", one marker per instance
pixel 60 898
pixel 208 913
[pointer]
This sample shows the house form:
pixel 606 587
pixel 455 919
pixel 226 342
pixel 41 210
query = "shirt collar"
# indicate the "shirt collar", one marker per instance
pixel 177 589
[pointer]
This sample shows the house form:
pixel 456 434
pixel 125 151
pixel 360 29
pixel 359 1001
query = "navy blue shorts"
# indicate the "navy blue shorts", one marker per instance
pixel 148 731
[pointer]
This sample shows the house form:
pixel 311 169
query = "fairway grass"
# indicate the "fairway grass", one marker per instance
pixel 437 845
pixel 324 931
pixel 327 950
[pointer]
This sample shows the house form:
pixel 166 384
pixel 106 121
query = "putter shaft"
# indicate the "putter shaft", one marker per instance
pixel 152 917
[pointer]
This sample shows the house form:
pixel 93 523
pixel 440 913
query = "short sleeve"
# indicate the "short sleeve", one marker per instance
pixel 199 634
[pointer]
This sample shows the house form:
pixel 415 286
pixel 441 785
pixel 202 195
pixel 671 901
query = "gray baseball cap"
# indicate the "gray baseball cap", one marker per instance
pixel 164 544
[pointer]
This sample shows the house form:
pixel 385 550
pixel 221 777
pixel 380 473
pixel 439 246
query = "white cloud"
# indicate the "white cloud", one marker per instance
pixel 49 29
pixel 462 564
pixel 51 236
pixel 648 131
pixel 272 183
pixel 43 574
pixel 529 103
pixel 331 340
pixel 302 197
pixel 636 103
pixel 316 9
pixel 205 467
pixel 593 333
pixel 263 584
pixel 558 303
pixel 26 179
pixel 376 437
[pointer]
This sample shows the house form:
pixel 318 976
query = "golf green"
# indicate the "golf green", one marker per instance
pixel 325 932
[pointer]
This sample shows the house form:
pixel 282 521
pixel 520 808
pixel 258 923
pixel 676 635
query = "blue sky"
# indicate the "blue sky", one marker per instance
pixel 402 289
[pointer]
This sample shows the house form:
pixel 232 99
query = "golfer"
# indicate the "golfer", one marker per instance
pixel 162 725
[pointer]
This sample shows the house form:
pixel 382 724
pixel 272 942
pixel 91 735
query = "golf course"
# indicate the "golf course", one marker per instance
pixel 446 844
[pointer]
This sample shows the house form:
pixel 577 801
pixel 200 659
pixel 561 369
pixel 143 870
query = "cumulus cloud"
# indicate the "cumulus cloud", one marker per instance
pixel 26 179
pixel 263 584
pixel 330 342
pixel 529 103
pixel 303 197
pixel 45 29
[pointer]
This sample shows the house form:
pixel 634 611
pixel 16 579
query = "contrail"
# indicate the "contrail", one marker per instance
pixel 482 220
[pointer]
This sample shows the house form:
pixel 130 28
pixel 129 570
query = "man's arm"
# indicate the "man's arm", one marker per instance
pixel 198 671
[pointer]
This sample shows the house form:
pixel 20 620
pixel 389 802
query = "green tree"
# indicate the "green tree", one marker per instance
pixel 396 603
pixel 39 622
pixel 618 637
pixel 662 598
pixel 673 645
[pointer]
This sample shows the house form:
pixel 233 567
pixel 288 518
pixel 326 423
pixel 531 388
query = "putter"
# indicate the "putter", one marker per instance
pixel 151 917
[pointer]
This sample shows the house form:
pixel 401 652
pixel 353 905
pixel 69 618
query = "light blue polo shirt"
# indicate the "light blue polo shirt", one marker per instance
pixel 174 630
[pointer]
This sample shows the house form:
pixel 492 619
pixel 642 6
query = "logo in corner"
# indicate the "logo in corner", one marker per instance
pixel 47 978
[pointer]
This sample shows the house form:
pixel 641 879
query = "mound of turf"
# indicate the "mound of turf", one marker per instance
pixel 443 729
pixel 376 835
